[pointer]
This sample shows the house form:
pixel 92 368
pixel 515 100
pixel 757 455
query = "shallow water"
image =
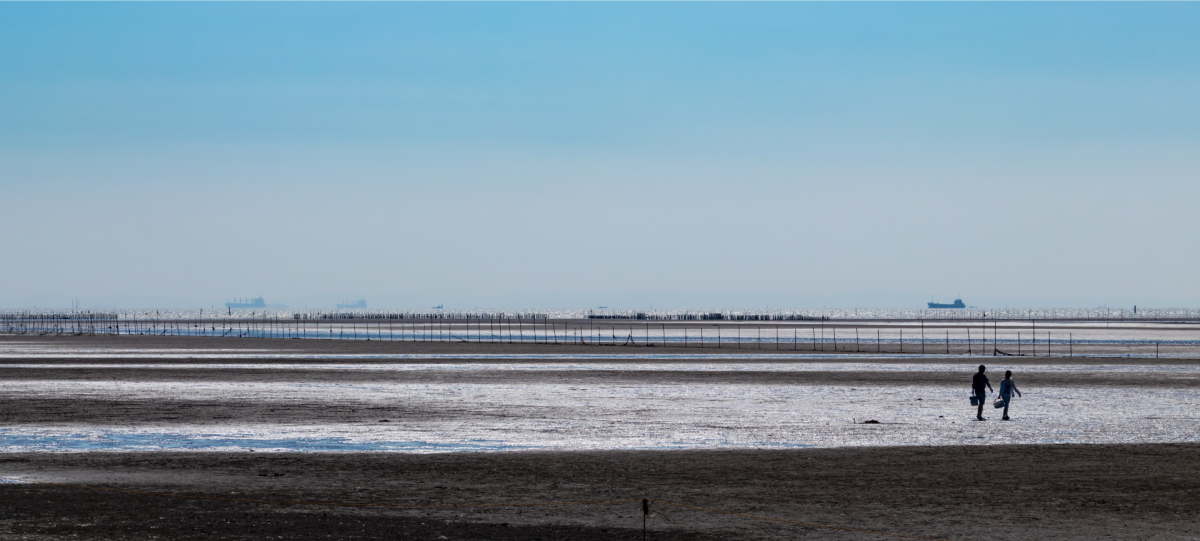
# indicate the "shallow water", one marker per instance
pixel 867 334
pixel 34 349
pixel 701 364
pixel 125 441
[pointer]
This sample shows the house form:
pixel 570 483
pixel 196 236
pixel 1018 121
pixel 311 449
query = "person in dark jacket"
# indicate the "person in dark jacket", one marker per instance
pixel 978 383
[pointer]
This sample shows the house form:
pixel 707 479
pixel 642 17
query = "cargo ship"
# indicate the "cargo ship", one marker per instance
pixel 958 303
pixel 246 303
pixel 344 305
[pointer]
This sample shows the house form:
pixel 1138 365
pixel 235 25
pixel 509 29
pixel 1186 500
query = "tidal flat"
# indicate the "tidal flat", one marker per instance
pixel 883 443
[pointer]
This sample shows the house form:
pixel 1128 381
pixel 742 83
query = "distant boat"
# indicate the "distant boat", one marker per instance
pixel 958 303
pixel 246 303
pixel 438 307
pixel 361 303
pixel 602 307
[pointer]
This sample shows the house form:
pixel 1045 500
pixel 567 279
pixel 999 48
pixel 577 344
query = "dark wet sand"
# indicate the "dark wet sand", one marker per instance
pixel 992 492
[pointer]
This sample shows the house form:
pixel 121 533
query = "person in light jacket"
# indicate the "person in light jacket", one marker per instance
pixel 1007 388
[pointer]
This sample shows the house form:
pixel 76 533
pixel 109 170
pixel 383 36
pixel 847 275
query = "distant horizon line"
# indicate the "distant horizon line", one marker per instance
pixel 596 309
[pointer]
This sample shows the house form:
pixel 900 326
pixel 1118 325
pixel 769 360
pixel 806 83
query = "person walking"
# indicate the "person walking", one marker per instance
pixel 1007 388
pixel 978 383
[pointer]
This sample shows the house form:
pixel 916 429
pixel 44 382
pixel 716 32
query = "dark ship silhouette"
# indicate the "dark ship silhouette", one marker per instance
pixel 958 303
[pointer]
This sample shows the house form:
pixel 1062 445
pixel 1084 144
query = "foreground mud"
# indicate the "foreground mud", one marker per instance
pixel 993 492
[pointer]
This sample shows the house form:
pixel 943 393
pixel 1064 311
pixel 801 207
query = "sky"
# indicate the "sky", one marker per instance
pixel 573 155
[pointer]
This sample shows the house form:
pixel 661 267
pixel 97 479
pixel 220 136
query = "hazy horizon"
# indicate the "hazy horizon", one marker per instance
pixel 865 300
pixel 678 155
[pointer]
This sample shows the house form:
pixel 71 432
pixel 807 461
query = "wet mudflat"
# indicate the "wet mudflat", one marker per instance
pixel 592 403
pixel 192 393
pixel 1111 443
pixel 951 492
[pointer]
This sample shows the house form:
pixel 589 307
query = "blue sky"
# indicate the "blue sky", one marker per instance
pixel 572 155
